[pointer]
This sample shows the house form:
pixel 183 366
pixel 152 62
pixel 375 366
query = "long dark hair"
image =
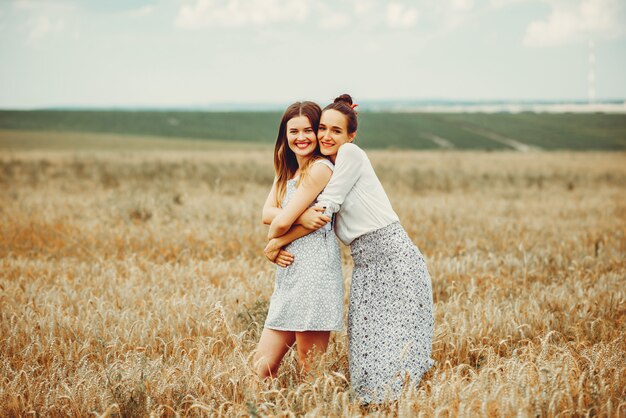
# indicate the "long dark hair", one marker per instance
pixel 285 162
pixel 343 104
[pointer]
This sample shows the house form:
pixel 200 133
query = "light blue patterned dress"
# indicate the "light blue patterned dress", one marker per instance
pixel 308 294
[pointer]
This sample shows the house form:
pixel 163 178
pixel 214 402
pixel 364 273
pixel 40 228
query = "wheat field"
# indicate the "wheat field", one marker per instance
pixel 132 283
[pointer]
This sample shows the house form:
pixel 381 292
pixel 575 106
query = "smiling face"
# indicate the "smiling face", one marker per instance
pixel 333 132
pixel 301 136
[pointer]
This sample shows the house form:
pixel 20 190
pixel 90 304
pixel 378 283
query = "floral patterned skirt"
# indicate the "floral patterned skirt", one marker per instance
pixel 390 317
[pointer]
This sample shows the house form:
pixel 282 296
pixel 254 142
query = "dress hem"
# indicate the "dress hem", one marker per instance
pixel 302 330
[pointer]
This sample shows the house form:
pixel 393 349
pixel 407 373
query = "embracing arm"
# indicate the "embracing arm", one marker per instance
pixel 305 194
pixel 275 244
pixel 270 208
pixel 274 248
pixel 295 232
pixel 313 218
pixel 347 171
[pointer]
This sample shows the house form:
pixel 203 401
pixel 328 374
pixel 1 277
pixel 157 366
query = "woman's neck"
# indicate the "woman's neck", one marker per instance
pixel 302 160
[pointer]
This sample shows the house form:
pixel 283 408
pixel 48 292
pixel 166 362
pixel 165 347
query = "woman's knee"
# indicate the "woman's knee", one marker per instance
pixel 266 364
pixel 311 343
pixel 270 351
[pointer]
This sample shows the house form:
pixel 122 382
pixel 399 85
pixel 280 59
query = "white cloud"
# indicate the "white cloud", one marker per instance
pixel 38 5
pixel 575 22
pixel 461 5
pixel 334 21
pixel 231 13
pixel 362 6
pixel 142 11
pixel 39 27
pixel 43 25
pixel 456 12
pixel 40 19
pixel 400 16
pixel 504 3
pixel 25 4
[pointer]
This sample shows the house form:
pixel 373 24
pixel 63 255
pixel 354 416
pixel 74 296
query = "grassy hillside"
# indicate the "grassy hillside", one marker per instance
pixel 376 130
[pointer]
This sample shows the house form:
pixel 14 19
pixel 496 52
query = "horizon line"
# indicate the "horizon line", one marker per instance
pixel 371 105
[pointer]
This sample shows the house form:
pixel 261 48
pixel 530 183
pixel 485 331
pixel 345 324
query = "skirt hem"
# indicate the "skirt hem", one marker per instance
pixel 302 329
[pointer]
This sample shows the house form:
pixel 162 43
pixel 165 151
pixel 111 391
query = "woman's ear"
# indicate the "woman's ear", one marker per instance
pixel 351 136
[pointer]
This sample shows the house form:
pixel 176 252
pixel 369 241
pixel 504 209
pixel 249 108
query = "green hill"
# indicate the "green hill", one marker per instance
pixel 376 130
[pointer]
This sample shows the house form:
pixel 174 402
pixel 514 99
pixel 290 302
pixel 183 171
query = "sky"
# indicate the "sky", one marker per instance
pixel 197 52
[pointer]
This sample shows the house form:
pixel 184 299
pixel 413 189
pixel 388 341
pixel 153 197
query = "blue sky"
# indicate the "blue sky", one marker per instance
pixel 194 52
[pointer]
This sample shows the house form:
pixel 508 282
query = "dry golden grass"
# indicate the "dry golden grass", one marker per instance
pixel 133 283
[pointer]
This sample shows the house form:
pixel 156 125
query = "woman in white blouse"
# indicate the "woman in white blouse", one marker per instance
pixel 390 317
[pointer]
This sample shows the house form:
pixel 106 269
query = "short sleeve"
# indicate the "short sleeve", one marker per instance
pixel 326 162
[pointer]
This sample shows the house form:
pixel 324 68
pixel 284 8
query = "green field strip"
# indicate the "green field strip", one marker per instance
pixel 23 140
pixel 554 131
pixel 412 130
pixel 243 126
pixel 390 131
pixel 603 131
pixel 494 129
pixel 506 140
pixel 475 131
pixel 442 143
pixel 458 135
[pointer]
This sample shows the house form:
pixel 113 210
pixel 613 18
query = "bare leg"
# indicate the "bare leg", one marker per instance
pixel 272 347
pixel 310 343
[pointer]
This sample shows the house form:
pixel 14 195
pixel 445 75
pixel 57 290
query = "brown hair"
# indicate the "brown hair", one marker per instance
pixel 343 104
pixel 285 162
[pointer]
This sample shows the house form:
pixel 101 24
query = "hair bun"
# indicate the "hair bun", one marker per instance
pixel 344 98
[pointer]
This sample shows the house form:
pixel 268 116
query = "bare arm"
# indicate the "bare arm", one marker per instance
pixel 306 193
pixel 313 218
pixel 295 232
pixel 274 245
pixel 270 208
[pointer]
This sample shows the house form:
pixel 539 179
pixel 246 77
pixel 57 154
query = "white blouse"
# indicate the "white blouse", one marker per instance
pixel 355 193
